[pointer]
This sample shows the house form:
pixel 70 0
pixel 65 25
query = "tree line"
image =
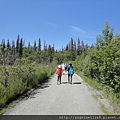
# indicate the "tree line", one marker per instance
pixel 10 52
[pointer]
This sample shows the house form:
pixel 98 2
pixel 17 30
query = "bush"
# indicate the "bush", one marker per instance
pixel 3 97
pixel 17 79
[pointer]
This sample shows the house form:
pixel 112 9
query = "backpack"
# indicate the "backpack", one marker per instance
pixel 71 71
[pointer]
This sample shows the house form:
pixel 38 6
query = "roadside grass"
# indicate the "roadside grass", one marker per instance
pixel 94 84
pixel 96 97
pixel 113 98
pixel 10 105
pixel 104 109
pixel 2 111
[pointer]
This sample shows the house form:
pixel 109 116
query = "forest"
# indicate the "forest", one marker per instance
pixel 24 67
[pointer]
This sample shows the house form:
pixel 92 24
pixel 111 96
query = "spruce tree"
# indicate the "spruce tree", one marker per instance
pixel 78 47
pixel 13 47
pixel 21 48
pixel 29 46
pixel 8 45
pixel 72 50
pixel 39 45
pixel 35 47
pixel 17 44
pixel 3 51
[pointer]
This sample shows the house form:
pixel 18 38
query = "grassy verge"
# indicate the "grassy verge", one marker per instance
pixel 104 109
pixel 113 98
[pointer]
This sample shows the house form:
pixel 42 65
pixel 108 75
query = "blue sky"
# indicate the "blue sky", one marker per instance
pixel 57 21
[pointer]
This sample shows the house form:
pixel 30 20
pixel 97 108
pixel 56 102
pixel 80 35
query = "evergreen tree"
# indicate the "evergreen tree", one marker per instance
pixel 8 53
pixel 50 52
pixel 53 49
pixel 3 51
pixel 72 50
pixel 67 48
pixel 107 34
pixel 74 45
pixel 3 43
pixel 106 37
pixel 29 47
pixel 8 45
pixel 82 48
pixel 13 47
pixel 35 47
pixel 86 47
pixel 39 45
pixel 21 48
pixel 78 47
pixel 17 44
pixel 44 46
pixel 71 45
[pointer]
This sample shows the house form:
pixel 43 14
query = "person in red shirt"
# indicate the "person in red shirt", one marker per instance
pixel 59 74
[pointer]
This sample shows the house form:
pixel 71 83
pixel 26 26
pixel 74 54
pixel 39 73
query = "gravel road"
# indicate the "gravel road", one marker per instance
pixel 64 99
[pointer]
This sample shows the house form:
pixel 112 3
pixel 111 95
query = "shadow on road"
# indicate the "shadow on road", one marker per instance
pixel 30 94
pixel 72 83
pixel 77 82
pixel 64 82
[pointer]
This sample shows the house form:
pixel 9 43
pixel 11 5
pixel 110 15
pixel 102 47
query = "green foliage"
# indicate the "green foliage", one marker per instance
pixel 3 96
pixel 103 61
pixel 59 57
pixel 101 64
pixel 17 79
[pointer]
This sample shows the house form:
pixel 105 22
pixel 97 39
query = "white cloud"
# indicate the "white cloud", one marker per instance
pixel 51 24
pixel 78 32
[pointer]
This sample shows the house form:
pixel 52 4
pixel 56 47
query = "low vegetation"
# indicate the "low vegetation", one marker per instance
pixel 16 80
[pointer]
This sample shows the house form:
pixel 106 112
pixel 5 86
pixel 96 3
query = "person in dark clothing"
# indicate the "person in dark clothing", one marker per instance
pixel 70 73
pixel 66 67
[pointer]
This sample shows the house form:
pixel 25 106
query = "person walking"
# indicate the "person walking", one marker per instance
pixel 63 68
pixel 70 73
pixel 59 74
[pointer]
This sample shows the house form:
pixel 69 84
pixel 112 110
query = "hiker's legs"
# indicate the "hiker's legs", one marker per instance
pixel 60 79
pixel 71 78
pixel 68 78
pixel 57 79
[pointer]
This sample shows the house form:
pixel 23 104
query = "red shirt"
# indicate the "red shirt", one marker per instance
pixel 59 71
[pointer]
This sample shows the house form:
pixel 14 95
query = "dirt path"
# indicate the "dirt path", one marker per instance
pixel 64 99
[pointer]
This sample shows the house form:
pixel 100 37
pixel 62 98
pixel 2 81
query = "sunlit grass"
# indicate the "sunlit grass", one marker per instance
pixel 113 98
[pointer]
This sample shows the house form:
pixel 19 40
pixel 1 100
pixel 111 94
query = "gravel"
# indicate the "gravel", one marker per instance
pixel 63 99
